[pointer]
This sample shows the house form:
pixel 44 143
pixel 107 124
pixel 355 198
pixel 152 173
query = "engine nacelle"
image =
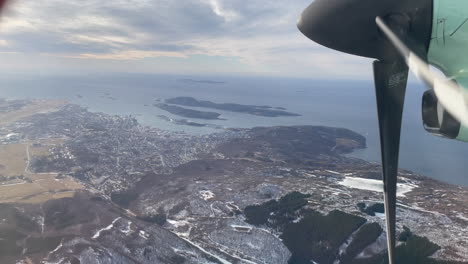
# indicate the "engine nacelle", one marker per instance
pixel 438 121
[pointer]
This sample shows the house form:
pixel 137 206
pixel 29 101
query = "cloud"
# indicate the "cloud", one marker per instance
pixel 132 55
pixel 227 15
pixel 259 35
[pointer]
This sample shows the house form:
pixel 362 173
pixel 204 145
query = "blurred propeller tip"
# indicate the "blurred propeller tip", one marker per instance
pixel 299 23
pixel 3 4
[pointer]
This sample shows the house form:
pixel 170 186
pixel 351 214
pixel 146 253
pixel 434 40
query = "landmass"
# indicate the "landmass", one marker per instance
pixel 136 194
pixel 201 81
pixel 260 110
pixel 186 122
pixel 108 96
pixel 185 112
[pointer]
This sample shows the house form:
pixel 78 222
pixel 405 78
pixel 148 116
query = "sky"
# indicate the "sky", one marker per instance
pixel 227 37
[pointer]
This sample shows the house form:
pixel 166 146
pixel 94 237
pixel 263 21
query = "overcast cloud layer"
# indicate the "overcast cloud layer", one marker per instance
pixel 256 37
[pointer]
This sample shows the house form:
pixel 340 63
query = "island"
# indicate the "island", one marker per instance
pixel 185 122
pixel 185 112
pixel 262 110
pixel 187 80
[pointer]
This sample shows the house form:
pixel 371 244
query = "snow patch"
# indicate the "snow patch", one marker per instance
pixel 375 248
pixel 109 227
pixel 129 230
pixel 380 215
pixel 181 223
pixel 143 234
pixel 57 248
pixel 417 208
pixel 297 220
pixel 375 185
pixel 184 252
pixel 257 247
pixel 12 184
pixel 243 229
pixel 207 195
pixel 223 261
pixel 176 223
pixel 462 217
pixel 47 262
pixel 345 245
pixel 11 135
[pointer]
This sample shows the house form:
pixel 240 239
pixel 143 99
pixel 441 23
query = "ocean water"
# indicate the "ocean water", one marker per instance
pixel 348 104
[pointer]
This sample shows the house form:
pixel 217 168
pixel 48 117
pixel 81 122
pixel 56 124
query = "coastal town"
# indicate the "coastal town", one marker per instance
pixel 84 187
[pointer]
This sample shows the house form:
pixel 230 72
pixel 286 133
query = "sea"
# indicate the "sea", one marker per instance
pixel 338 103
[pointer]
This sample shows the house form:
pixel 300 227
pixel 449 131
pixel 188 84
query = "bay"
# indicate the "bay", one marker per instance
pixel 349 104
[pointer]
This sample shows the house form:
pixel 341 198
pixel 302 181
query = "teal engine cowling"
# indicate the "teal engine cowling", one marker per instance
pixel 448 52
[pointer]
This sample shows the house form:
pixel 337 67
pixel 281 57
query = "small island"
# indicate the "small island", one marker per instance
pixel 263 110
pixel 189 113
pixel 186 122
pixel 200 81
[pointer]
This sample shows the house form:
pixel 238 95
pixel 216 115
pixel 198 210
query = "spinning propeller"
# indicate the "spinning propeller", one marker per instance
pixel 401 35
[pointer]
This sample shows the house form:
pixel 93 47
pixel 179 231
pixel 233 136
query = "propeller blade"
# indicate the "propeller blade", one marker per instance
pixel 390 79
pixel 450 95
